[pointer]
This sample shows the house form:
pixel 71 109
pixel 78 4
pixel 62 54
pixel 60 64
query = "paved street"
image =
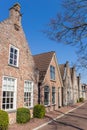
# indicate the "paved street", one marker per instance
pixel 75 120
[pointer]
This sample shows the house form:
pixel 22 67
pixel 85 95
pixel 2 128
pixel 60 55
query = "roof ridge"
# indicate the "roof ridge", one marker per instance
pixel 61 64
pixel 44 53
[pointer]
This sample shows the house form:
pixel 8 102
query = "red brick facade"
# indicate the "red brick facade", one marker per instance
pixel 11 33
pixel 67 83
pixel 43 62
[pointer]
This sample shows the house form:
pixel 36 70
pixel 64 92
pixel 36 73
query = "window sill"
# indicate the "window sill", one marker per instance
pixel 54 104
pixel 52 80
pixel 11 111
pixel 47 105
pixel 13 66
pixel 30 107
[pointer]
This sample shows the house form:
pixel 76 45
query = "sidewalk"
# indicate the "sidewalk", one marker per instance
pixel 35 123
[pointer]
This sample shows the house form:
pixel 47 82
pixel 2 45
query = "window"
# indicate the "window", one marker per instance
pixel 28 94
pixel 46 95
pixel 13 56
pixel 53 95
pixel 9 93
pixel 52 72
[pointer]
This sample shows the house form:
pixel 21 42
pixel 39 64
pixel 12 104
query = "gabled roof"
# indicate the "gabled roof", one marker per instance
pixel 42 62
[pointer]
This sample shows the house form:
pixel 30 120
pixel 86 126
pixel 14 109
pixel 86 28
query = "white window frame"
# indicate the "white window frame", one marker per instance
pixel 15 94
pixel 52 73
pixel 31 93
pixel 17 56
pixel 48 97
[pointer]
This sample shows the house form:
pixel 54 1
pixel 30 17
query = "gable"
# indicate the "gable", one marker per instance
pixel 58 80
pixel 42 62
pixel 10 36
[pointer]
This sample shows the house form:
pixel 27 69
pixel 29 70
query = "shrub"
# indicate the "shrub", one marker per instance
pixel 77 101
pixel 81 99
pixel 4 120
pixel 23 115
pixel 39 111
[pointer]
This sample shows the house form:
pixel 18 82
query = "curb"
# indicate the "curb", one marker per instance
pixel 58 117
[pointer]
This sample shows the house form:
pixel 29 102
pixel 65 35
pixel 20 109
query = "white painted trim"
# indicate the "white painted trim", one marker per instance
pixel 17 55
pixel 15 93
pixel 32 93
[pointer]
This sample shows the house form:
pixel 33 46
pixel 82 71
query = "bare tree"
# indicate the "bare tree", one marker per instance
pixel 70 27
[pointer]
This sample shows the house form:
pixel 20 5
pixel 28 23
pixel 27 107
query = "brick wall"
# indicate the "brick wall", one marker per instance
pixel 56 83
pixel 10 35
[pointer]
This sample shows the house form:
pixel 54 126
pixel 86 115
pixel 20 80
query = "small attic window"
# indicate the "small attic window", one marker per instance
pixel 16 27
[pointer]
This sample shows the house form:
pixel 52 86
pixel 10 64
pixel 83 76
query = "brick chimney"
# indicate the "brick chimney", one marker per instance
pixel 15 14
pixel 67 63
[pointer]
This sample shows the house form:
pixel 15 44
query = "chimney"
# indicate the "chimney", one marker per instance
pixel 15 14
pixel 73 69
pixel 67 63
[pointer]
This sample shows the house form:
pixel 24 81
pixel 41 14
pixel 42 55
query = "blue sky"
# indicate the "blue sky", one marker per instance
pixel 36 14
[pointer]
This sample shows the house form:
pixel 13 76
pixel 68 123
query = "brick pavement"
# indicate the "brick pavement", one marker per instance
pixel 37 122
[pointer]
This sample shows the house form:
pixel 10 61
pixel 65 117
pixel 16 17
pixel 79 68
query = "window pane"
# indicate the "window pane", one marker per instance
pixel 8 94
pixel 52 72
pixel 7 106
pixel 46 89
pixel 3 100
pixel 11 105
pixel 7 100
pixel 11 94
pixel 53 98
pixel 11 100
pixel 15 62
pixel 4 94
pixel 3 106
pixel 15 51
pixel 11 49
pixel 11 55
pixel 13 59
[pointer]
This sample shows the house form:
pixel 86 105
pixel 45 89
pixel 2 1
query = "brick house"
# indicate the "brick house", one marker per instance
pixel 17 81
pixel 67 91
pixel 50 82
pixel 75 84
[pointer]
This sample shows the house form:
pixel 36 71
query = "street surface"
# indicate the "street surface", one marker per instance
pixel 75 120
